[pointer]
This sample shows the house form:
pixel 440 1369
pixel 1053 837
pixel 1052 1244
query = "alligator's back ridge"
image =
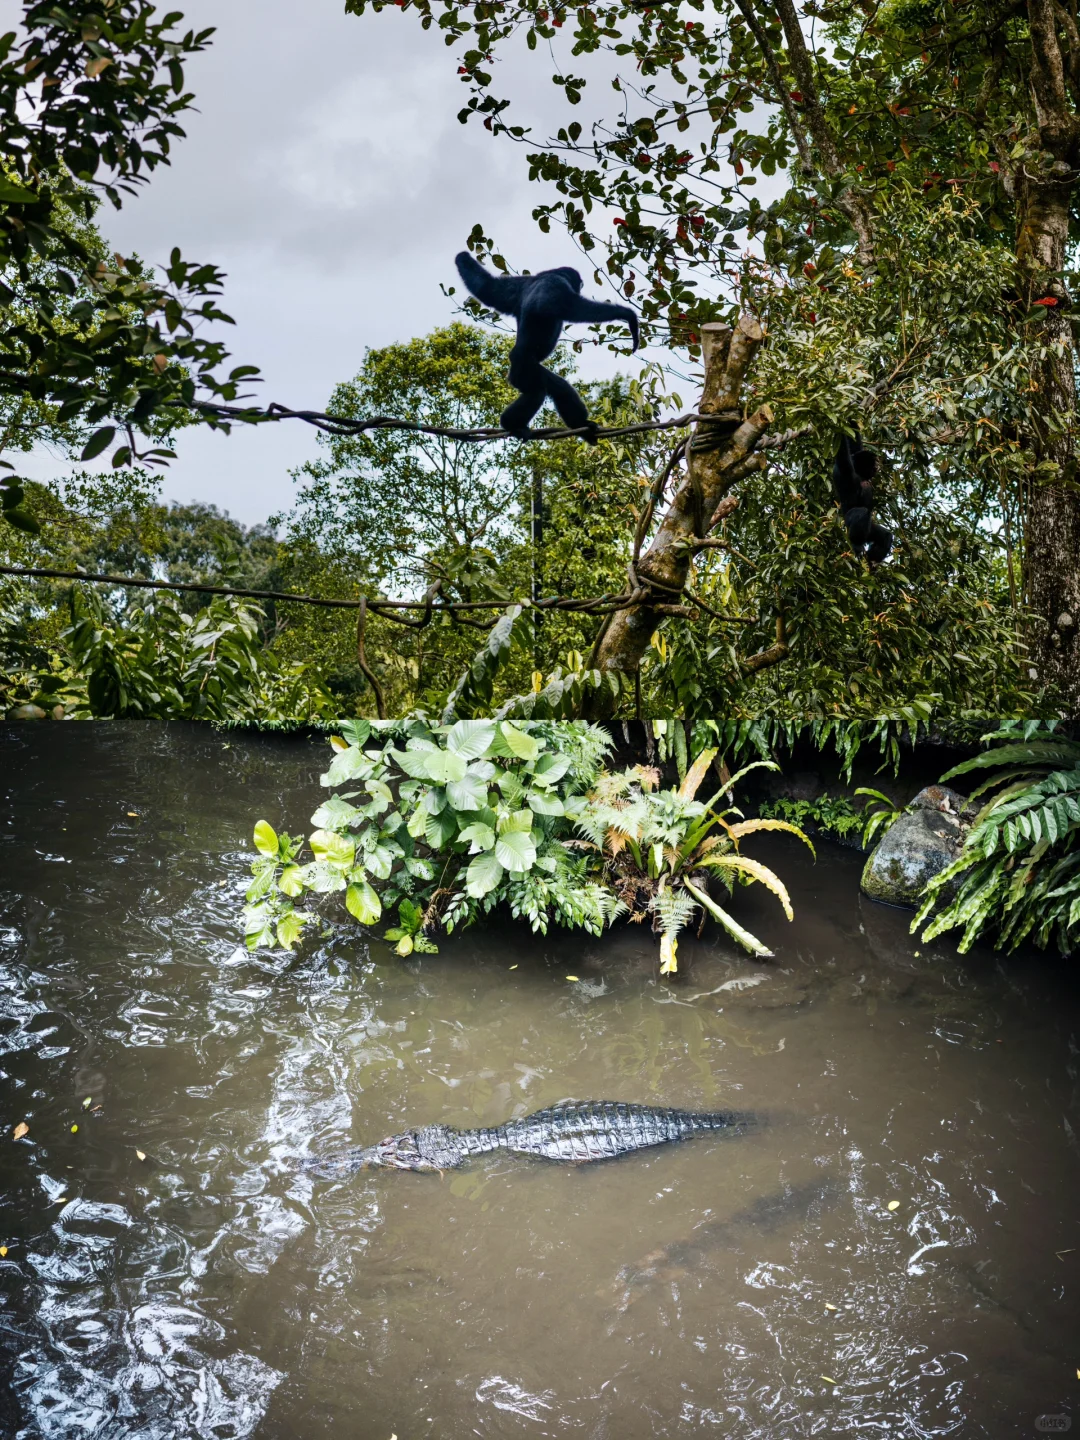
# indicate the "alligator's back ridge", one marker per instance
pixel 571 1133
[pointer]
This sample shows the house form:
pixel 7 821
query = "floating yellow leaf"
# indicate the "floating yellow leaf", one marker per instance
pixel 74 1129
pixel 828 1306
pixel 513 967
pixel 3 1251
pixel 141 1154
pixel 571 977
pixel 830 1379
pixel 20 1130
pixel 894 1204
pixel 132 814
pixel 88 1102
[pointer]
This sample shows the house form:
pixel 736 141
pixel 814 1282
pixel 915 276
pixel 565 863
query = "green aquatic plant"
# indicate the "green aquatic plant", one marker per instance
pixel 1020 865
pixel 441 823
pixel 657 849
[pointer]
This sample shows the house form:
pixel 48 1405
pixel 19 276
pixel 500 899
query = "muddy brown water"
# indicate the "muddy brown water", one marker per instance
pixel 740 1286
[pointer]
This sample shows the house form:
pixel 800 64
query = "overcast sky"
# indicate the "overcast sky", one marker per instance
pixel 327 173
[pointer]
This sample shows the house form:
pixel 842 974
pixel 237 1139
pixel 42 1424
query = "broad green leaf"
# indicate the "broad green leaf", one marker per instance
pixel 335 849
pixel 264 872
pixel 362 902
pixel 378 861
pixel 478 836
pixel 551 768
pixel 443 767
pixel 517 820
pixel 541 804
pixel 356 732
pixel 322 878
pixel 469 793
pixel 415 763
pixel 289 928
pixel 13 194
pixel 266 840
pixel 350 764
pixel 470 738
pixel 516 850
pixel 334 814
pixel 440 829
pixel 483 874
pixel 420 869
pixel 525 747
pixel 290 882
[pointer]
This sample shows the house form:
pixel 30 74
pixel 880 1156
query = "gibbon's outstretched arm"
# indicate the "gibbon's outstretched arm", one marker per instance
pixel 500 292
pixel 601 312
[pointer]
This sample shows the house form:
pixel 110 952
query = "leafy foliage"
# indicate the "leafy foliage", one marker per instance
pixel 90 97
pixel 657 849
pixel 451 821
pixel 482 812
pixel 1019 870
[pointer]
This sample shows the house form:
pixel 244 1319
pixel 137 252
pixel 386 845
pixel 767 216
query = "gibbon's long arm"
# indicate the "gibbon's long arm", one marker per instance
pixel 500 292
pixel 601 312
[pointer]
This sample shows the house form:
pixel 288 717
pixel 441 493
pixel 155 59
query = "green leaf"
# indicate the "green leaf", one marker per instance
pixel 519 820
pixel 483 874
pixel 290 926
pixel 469 793
pixel 478 836
pixel 335 849
pixel 440 829
pixel 98 442
pixel 334 814
pixel 290 882
pixel 541 804
pixel 362 902
pixel 516 850
pixel 266 840
pixel 525 747
pixel 350 764
pixel 13 194
pixel 470 738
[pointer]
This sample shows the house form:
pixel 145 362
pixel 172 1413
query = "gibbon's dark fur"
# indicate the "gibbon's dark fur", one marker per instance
pixel 541 304
pixel 853 471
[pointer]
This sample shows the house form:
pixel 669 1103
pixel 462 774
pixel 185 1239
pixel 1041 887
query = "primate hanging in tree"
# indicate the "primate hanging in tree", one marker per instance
pixel 542 304
pixel 853 470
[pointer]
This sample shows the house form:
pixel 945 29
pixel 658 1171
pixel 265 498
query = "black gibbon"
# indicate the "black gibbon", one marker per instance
pixel 542 304
pixel 853 471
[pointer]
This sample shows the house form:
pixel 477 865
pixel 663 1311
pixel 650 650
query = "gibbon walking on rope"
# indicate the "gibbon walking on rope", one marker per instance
pixel 853 470
pixel 541 304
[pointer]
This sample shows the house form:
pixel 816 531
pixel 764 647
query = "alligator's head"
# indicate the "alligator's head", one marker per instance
pixel 399 1152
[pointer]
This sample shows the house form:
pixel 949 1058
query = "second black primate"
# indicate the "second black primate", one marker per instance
pixel 853 471
pixel 542 304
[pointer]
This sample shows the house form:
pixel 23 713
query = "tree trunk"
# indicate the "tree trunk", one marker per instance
pixel 720 453
pixel 1052 531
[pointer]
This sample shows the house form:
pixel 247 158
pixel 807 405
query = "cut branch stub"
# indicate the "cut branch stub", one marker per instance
pixel 719 454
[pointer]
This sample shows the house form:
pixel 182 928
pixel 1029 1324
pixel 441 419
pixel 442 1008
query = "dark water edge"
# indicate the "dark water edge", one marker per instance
pixel 212 1291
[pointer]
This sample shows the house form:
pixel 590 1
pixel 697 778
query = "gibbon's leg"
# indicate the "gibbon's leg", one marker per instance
pixel 859 525
pixel 880 544
pixel 528 376
pixel 570 405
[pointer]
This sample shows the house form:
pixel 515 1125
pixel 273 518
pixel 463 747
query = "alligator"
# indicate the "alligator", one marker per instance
pixel 572 1133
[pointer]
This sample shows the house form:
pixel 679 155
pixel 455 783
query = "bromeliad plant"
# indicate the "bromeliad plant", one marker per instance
pixel 1021 859
pixel 658 847
pixel 440 823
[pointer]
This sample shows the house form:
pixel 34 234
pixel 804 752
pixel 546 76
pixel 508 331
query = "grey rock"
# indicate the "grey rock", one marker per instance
pixel 26 712
pixel 917 846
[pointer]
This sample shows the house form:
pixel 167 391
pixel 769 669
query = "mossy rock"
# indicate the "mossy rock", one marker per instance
pixel 917 846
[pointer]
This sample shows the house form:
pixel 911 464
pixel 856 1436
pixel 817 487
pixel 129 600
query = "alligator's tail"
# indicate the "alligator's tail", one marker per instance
pixel 737 1120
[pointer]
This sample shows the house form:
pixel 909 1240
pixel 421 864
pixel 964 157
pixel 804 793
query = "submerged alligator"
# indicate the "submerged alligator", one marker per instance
pixel 574 1134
